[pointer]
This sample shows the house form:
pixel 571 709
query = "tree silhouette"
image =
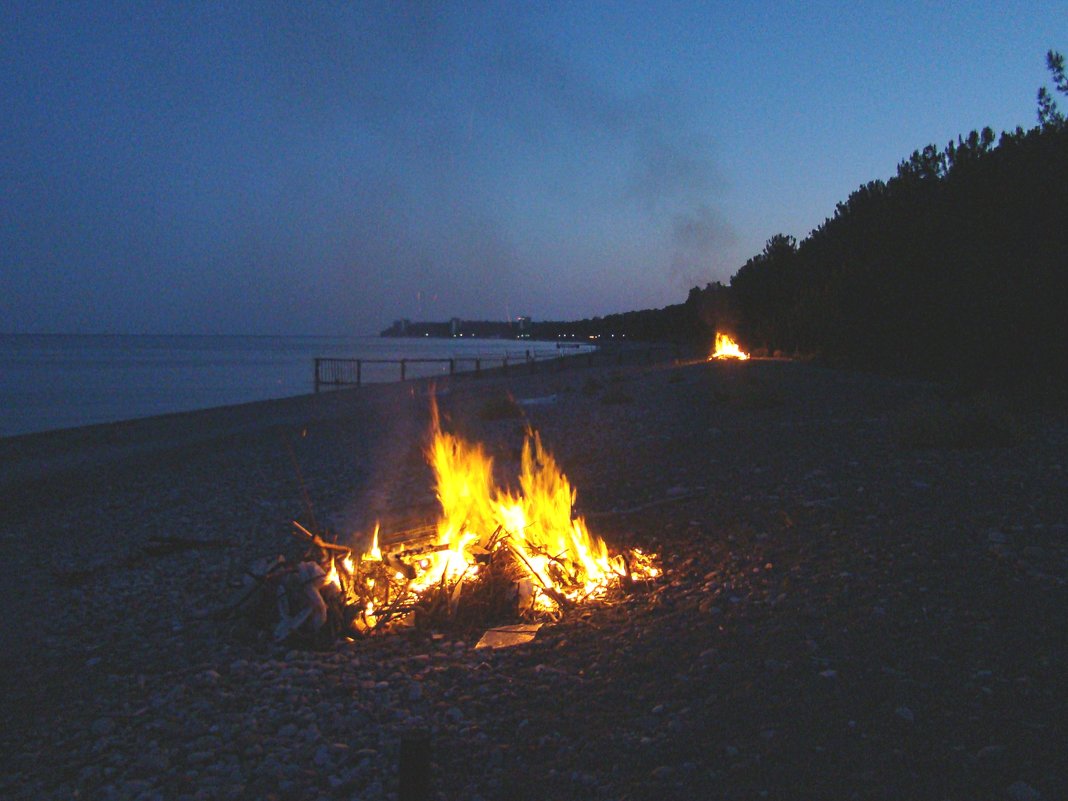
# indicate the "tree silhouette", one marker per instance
pixel 1048 113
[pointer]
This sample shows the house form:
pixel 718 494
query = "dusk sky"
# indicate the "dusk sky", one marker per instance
pixel 325 169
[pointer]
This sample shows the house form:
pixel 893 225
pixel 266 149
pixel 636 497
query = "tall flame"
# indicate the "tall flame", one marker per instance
pixel 727 348
pixel 559 554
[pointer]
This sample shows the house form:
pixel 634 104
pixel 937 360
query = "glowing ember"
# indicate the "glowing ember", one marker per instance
pixel 727 348
pixel 549 557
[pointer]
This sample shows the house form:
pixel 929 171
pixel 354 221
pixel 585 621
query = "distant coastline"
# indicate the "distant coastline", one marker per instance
pixel 519 328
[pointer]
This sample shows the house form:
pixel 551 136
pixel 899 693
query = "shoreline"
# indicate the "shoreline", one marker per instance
pixel 58 448
pixel 120 378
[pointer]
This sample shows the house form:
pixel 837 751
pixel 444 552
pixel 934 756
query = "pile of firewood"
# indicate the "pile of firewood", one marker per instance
pixel 329 591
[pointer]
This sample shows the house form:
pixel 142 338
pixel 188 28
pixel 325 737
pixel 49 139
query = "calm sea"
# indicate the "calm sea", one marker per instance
pixel 61 381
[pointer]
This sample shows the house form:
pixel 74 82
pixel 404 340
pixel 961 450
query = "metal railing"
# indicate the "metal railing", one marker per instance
pixel 339 372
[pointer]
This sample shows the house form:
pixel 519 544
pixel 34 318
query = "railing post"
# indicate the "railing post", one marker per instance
pixel 317 363
pixel 359 372
pixel 404 368
pixel 478 366
pixel 504 365
pixel 452 366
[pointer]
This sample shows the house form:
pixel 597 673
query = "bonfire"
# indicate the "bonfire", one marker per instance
pixel 727 348
pixel 495 554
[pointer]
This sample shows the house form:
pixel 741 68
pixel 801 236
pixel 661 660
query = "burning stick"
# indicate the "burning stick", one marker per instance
pixel 493 553
pixel 318 541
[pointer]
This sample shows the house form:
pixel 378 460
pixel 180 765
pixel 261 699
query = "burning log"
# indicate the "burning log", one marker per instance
pixel 493 556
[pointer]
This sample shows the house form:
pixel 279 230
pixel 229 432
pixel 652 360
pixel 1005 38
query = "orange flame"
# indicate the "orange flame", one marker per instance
pixel 563 559
pixel 727 348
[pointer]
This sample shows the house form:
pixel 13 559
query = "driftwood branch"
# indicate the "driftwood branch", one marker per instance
pixel 317 541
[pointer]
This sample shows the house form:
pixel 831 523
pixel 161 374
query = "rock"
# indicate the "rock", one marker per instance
pixel 1022 791
pixel 323 758
pixel 905 714
pixel 103 726
pixel 708 607
pixel 210 676
pixel 989 753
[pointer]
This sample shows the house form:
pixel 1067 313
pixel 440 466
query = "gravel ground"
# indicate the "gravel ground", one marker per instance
pixel 844 614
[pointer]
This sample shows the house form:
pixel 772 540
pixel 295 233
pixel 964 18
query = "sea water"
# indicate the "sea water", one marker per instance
pixel 61 381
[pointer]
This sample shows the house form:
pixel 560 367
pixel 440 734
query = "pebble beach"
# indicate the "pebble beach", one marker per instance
pixel 855 604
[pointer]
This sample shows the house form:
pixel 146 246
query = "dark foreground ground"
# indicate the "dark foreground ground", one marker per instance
pixel 847 612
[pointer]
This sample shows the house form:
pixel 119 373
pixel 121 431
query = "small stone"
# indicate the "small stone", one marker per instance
pixel 322 756
pixel 454 715
pixel 708 607
pixel 990 752
pixel 905 714
pixel 662 772
pixel 103 726
pixel 1022 791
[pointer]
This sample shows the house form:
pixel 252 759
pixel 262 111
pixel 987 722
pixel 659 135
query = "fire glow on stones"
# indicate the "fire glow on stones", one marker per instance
pixel 521 542
pixel 727 348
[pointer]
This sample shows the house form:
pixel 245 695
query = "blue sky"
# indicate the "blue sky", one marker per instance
pixel 291 168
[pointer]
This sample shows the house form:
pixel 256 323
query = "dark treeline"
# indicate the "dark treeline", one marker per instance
pixel 955 267
pixel 677 323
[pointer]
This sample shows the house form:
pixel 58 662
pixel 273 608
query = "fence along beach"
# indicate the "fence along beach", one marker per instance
pixel 338 372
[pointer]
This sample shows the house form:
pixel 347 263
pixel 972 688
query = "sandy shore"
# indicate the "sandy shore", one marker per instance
pixel 844 615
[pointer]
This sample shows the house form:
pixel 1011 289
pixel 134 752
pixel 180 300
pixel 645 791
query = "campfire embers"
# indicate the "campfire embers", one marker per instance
pixel 494 556
pixel 727 348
